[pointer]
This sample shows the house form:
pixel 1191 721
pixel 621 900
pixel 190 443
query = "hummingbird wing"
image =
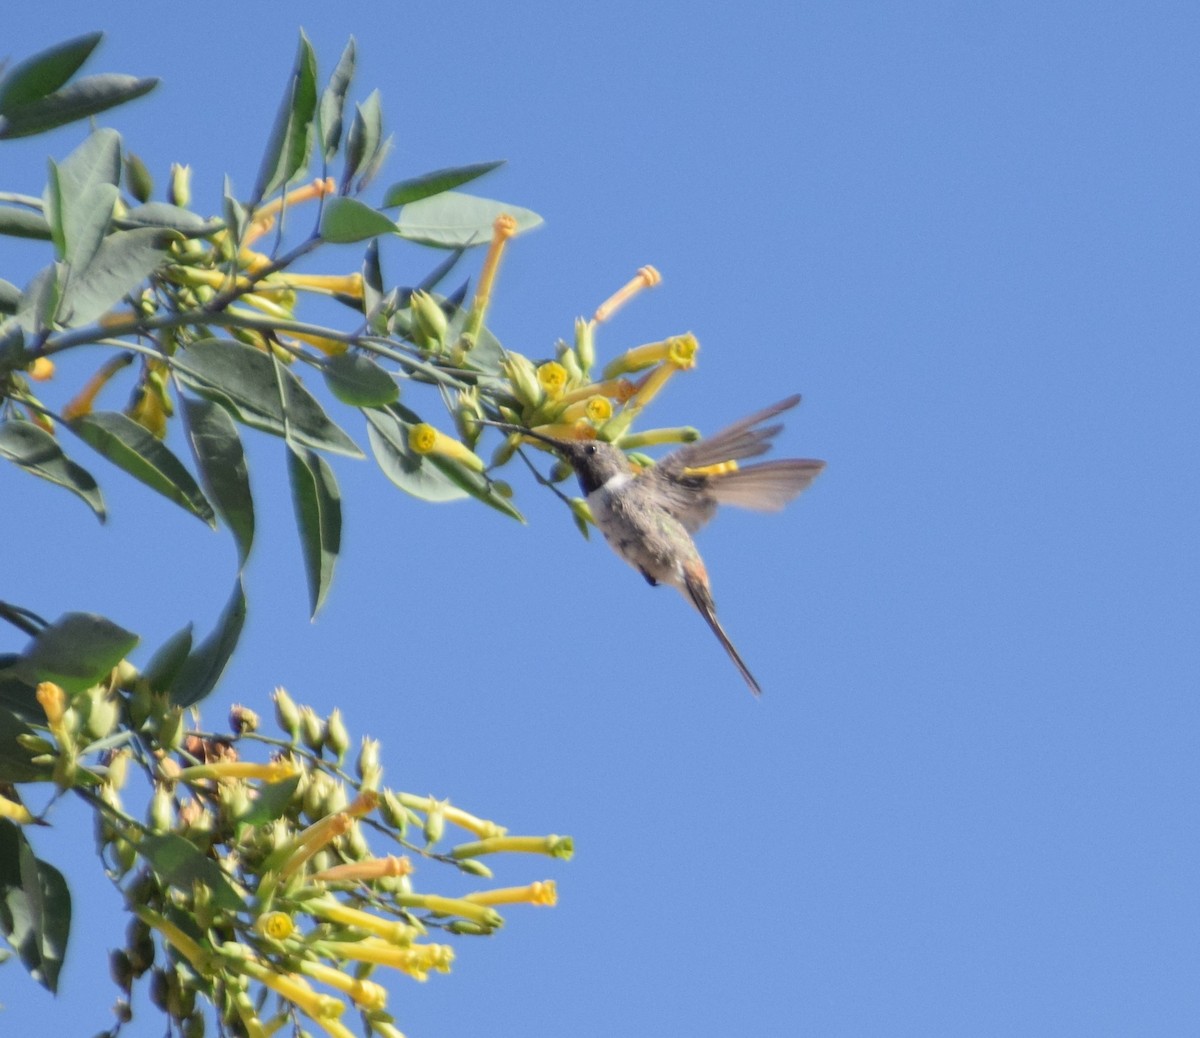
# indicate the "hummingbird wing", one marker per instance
pixel 766 486
pixel 696 586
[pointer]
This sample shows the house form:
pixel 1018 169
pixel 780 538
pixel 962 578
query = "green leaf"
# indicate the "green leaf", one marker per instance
pixel 39 301
pixel 388 435
pixel 476 484
pixel 15 765
pixel 18 692
pixel 173 217
pixel 358 381
pixel 200 673
pixel 221 462
pixel 80 196
pixel 333 101
pixel 349 220
pixel 23 223
pixel 45 72
pixel 452 220
pixel 179 864
pixel 362 142
pixel 39 454
pixel 373 293
pixel 35 907
pixel 10 297
pixel 130 447
pixel 318 506
pixel 77 651
pixel 122 262
pixel 429 184
pixel 271 802
pixel 249 383
pixel 290 144
pixel 88 96
pixel 164 666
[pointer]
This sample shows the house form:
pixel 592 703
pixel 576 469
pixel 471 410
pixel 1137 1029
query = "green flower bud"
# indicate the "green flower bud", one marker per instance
pixel 312 729
pixel 137 178
pixel 367 766
pixel 337 739
pixel 474 867
pixel 243 720
pixel 139 946
pixel 169 729
pixel 429 322
pixel 435 824
pixel 522 376
pixel 585 343
pixel 287 714
pixel 120 969
pixel 179 191
pixel 393 812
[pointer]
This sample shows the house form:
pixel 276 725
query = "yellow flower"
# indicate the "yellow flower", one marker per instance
pixel 555 846
pixel 646 277
pixel 276 925
pixel 333 911
pixel 274 771
pixel 552 377
pixel 83 401
pixel 481 827
pixel 312 839
pixel 503 228
pixel 417 961
pixel 53 701
pixel 363 993
pixel 14 811
pixel 595 409
pixel 365 871
pixel 327 284
pixel 425 439
pixel 41 370
pixel 542 893
pixel 264 218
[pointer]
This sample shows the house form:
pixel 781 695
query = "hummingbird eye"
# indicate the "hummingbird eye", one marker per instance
pixel 590 449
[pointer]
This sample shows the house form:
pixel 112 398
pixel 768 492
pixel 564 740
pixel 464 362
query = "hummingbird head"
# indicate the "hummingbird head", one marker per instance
pixel 594 461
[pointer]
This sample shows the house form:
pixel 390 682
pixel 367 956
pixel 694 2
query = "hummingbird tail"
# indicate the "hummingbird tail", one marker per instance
pixel 701 598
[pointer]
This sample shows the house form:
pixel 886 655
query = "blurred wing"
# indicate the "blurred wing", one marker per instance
pixel 766 486
pixel 740 440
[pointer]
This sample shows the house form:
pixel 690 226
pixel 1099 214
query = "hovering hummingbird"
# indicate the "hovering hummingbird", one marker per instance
pixel 648 517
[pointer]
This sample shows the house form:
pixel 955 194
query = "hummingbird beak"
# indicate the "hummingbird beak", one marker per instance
pixel 507 427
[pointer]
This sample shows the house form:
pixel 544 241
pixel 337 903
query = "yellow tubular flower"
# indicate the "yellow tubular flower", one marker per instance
pixel 15 812
pixel 365 871
pixel 313 839
pixel 416 961
pixel 83 401
pixel 363 993
pixel 543 893
pixel 555 846
pixel 199 958
pixel 330 347
pixel 618 389
pixel 638 359
pixel 481 827
pixel 595 409
pixel 327 284
pixel 646 277
pixel 333 911
pixel 264 218
pixel 425 439
pixel 503 228
pixel 323 1010
pixel 275 771
pixel 682 350
pixel 658 437
pixel 450 906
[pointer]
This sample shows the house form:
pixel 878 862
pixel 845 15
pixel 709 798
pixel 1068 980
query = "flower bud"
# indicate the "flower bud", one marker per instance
pixel 585 343
pixel 523 378
pixel 287 714
pixel 337 739
pixel 179 190
pixel 367 766
pixel 312 729
pixel 242 720
pixel 169 730
pixel 429 322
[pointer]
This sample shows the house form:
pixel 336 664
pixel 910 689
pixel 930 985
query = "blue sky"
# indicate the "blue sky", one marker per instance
pixel 967 234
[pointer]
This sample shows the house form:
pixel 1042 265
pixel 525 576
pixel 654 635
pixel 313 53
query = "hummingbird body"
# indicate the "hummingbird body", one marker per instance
pixel 649 517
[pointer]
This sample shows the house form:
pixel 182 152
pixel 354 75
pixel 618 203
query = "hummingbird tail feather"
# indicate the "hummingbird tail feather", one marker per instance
pixel 701 598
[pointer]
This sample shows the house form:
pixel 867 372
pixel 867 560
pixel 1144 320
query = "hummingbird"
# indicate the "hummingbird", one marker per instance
pixel 648 516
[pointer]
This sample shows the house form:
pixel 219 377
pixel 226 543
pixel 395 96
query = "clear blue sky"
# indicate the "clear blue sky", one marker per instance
pixel 967 233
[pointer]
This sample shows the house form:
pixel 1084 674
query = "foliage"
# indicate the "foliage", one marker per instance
pixel 251 875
